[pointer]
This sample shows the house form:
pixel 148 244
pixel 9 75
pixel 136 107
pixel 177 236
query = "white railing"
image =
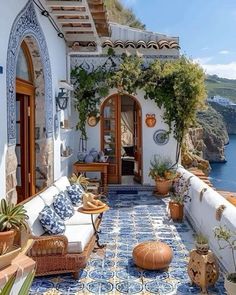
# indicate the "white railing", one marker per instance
pixel 201 212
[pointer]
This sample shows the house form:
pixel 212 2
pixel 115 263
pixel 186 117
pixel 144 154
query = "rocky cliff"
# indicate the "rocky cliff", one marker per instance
pixel 229 115
pixel 205 142
pixel 215 135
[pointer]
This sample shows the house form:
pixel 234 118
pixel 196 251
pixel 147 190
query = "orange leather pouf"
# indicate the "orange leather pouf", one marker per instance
pixel 152 255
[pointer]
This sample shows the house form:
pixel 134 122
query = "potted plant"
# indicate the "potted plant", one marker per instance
pixel 12 219
pixel 227 240
pixel 163 172
pixel 201 243
pixel 178 196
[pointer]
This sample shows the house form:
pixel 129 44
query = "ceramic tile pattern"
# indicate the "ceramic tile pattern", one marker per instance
pixel 134 217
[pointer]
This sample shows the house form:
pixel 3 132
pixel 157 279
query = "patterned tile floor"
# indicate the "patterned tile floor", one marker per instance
pixel 134 217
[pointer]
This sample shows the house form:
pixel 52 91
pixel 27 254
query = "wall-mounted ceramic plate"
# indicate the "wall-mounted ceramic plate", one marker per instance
pixel 161 137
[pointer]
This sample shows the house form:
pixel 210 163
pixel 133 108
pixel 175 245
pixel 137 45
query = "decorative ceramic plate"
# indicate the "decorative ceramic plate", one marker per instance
pixel 92 121
pixel 161 137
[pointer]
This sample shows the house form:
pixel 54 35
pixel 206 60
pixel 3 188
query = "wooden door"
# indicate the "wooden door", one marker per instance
pixel 137 143
pixel 110 137
pixel 25 145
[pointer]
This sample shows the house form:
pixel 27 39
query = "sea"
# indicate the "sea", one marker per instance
pixel 223 175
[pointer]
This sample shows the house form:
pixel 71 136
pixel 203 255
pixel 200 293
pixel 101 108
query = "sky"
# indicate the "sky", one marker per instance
pixel 206 28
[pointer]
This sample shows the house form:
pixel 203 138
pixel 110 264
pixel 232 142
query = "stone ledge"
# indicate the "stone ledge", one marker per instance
pixel 22 264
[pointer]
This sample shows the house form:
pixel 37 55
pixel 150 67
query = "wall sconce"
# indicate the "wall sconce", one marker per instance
pixel 61 100
pixel 62 97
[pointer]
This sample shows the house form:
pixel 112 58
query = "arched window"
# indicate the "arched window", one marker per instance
pixel 24 68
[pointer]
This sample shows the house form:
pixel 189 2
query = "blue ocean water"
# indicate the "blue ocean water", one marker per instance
pixel 223 175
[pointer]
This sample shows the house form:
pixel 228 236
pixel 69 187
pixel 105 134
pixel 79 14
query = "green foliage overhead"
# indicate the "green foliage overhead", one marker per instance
pixel 122 15
pixel 177 86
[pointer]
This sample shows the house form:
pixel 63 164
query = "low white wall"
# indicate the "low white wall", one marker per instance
pixel 202 215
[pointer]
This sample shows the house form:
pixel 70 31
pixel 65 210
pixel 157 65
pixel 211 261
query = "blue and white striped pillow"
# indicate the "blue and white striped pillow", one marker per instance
pixel 51 222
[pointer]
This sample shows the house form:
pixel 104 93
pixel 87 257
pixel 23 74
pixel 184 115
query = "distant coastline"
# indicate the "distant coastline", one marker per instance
pixel 223 175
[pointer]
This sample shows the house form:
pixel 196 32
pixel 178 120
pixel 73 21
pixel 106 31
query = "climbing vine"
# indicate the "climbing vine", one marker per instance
pixel 177 86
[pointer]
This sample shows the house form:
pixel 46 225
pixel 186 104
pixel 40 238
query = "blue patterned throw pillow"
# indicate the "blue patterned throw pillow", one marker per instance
pixel 63 206
pixel 75 192
pixel 51 222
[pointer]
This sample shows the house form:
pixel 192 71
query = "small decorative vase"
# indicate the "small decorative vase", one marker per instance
pixel 94 154
pixel 203 269
pixel 88 159
pixel 81 156
pixel 150 120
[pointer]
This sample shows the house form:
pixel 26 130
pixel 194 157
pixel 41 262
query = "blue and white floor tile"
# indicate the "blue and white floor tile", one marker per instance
pixel 132 218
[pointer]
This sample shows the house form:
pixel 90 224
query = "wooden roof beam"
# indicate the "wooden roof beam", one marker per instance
pixel 74 21
pixel 69 13
pixel 52 3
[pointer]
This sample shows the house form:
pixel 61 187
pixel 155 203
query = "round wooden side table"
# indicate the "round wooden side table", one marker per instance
pixel 92 212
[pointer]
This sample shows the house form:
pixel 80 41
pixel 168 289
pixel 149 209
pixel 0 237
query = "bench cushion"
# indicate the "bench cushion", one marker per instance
pixel 33 208
pixel 48 195
pixel 78 236
pixel 62 183
pixel 80 218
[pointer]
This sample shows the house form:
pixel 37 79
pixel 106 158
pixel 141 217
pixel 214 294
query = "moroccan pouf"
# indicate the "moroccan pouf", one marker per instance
pixel 152 255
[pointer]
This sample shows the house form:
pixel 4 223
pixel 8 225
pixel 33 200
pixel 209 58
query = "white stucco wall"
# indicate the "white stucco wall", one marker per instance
pixel 149 147
pixel 202 215
pixel 57 52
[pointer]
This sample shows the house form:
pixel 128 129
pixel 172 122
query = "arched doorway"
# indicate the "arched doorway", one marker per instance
pixel 121 138
pixel 25 124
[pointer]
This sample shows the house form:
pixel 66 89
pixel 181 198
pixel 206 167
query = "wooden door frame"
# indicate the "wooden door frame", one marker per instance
pixel 118 127
pixel 26 88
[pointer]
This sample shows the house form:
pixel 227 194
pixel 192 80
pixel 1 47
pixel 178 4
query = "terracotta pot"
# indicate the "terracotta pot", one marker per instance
pixel 230 286
pixel 150 120
pixel 176 211
pixel 163 187
pixel 6 240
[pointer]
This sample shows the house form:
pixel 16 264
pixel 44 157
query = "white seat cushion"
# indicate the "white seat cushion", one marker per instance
pixel 48 195
pixel 33 208
pixel 62 183
pixel 78 236
pixel 80 218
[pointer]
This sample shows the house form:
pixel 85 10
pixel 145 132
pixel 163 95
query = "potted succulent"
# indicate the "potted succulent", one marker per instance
pixel 12 219
pixel 163 172
pixel 227 239
pixel 201 243
pixel 178 196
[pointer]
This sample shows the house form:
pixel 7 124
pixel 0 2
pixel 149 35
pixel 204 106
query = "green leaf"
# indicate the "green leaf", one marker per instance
pixel 24 290
pixel 8 286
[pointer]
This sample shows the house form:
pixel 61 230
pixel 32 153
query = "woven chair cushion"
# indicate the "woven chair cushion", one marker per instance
pixel 63 206
pixel 75 192
pixel 152 255
pixel 51 222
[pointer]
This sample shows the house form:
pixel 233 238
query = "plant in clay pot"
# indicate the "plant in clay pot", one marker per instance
pixel 201 243
pixel 227 240
pixel 178 196
pixel 12 219
pixel 163 172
